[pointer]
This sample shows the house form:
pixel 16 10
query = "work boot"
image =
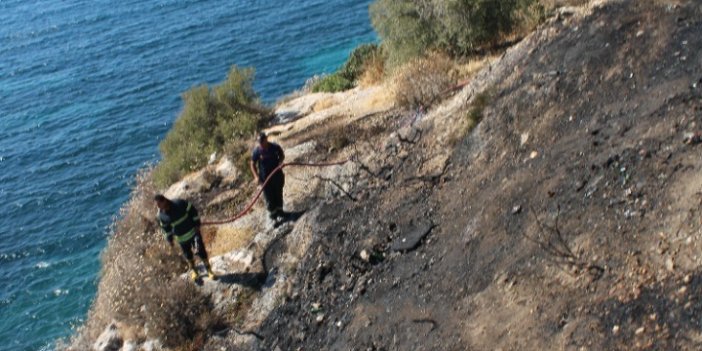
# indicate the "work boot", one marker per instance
pixel 210 274
pixel 194 275
pixel 193 271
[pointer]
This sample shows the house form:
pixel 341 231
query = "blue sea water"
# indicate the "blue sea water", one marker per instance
pixel 88 89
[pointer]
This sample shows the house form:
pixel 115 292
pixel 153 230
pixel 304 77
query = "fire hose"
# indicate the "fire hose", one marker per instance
pixel 260 190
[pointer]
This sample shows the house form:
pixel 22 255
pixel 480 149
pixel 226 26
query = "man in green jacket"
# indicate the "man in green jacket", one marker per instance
pixel 180 221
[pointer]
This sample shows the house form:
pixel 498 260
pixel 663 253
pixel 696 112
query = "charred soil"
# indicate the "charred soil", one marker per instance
pixel 568 218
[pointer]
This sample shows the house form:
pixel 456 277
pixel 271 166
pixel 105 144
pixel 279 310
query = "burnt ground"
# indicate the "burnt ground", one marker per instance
pixel 568 219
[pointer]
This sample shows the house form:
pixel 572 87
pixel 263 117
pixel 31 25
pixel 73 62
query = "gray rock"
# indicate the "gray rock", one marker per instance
pixel 410 241
pixel 109 340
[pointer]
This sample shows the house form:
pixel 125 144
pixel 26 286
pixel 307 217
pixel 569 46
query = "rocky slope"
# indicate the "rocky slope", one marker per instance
pixel 568 219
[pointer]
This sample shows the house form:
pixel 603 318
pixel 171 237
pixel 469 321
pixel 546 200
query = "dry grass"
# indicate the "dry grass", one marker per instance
pixel 421 81
pixel 466 70
pixel 227 239
pixel 324 104
pixel 373 71
pixel 139 284
pixel 380 101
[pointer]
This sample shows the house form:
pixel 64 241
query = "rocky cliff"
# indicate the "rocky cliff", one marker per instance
pixel 567 219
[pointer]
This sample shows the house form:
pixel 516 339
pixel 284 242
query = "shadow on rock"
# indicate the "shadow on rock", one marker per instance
pixel 250 280
pixel 290 217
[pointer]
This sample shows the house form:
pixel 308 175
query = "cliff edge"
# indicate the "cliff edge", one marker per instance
pixel 567 219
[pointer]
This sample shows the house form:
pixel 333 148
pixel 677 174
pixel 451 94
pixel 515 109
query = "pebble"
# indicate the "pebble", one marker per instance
pixel 320 318
pixel 533 155
pixel 615 329
pixel 669 264
pixel 687 279
pixel 516 209
pixel 640 331
pixel 365 255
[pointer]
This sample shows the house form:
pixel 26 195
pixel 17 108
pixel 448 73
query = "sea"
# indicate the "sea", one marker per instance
pixel 87 91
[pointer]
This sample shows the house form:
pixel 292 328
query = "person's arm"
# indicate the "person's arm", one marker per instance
pixel 192 212
pixel 167 230
pixel 281 154
pixel 252 165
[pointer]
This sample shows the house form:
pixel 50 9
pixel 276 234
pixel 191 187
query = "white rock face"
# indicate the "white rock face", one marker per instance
pixel 151 345
pixel 227 170
pixel 109 340
pixel 191 185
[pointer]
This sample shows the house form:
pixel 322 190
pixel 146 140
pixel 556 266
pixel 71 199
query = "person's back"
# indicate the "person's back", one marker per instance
pixel 181 218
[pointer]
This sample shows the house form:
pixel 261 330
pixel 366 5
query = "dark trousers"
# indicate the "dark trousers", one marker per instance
pixel 194 244
pixel 273 193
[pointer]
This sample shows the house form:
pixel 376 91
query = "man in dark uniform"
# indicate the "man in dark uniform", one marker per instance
pixel 180 221
pixel 265 159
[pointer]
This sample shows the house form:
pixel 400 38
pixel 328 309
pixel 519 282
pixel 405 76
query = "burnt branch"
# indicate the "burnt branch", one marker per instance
pixel 551 240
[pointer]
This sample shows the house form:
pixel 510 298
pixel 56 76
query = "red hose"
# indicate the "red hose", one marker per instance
pixel 258 194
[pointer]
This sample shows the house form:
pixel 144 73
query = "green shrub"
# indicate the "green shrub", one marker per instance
pixel 404 29
pixel 332 83
pixel 409 28
pixel 345 77
pixel 354 66
pixel 211 118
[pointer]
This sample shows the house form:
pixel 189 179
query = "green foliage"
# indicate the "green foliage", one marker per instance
pixel 332 83
pixel 355 65
pixel 345 78
pixel 403 28
pixel 409 28
pixel 210 119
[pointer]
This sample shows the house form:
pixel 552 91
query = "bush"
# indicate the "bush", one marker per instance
pixel 345 77
pixel 410 28
pixel 332 84
pixel 356 63
pixel 421 81
pixel 373 70
pixel 211 118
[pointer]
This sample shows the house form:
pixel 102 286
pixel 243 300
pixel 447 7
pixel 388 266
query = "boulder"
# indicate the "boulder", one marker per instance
pixel 109 340
pixel 192 184
pixel 227 171
pixel 224 197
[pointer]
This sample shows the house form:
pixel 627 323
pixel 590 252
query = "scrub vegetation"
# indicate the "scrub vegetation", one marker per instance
pixel 345 77
pixel 212 118
pixel 409 29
